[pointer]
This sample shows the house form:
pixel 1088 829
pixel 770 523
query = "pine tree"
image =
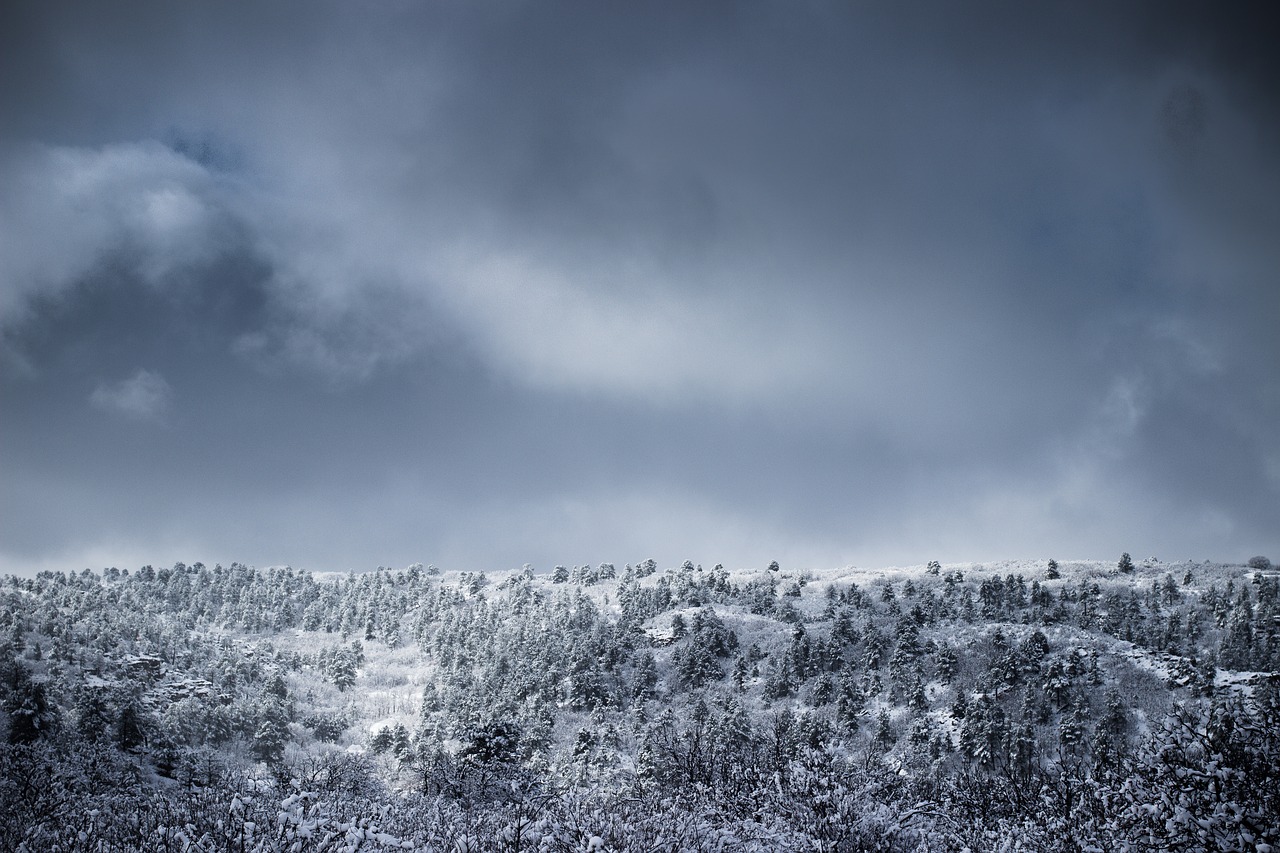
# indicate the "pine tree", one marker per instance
pixel 823 691
pixel 781 681
pixel 94 715
pixel 131 728
pixel 946 662
pixel 342 671
pixel 270 738
pixel 917 700
pixel 850 701
pixel 645 677
pixel 883 738
pixel 31 715
pixel 381 740
pixel 1110 743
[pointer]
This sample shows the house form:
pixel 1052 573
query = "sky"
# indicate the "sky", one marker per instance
pixel 481 284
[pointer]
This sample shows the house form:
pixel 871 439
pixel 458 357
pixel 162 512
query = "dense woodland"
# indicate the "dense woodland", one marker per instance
pixel 1020 706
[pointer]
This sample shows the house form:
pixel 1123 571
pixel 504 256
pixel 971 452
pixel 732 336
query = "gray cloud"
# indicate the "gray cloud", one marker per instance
pixel 532 281
pixel 69 208
pixel 143 396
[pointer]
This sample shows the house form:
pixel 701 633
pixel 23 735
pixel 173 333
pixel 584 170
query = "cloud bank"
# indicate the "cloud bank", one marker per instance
pixel 522 283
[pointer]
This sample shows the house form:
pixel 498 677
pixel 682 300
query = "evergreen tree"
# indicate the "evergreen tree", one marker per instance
pixel 131 725
pixel 946 663
pixel 645 677
pixel 883 739
pixel 95 716
pixel 781 680
pixel 1110 744
pixel 31 715
pixel 270 737
pixel 850 702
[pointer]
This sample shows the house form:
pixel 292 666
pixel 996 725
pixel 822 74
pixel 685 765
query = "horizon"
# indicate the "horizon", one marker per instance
pixel 996 566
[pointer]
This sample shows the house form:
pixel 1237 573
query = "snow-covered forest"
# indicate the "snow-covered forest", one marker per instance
pixel 1073 706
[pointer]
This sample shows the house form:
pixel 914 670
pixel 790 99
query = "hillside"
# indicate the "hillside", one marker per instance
pixel 1073 705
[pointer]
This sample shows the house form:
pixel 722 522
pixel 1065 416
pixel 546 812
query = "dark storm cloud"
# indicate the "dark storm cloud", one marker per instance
pixel 568 282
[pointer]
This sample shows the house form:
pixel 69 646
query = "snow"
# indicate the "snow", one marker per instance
pixel 388 690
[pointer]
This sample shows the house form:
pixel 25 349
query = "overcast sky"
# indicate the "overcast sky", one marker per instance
pixel 341 285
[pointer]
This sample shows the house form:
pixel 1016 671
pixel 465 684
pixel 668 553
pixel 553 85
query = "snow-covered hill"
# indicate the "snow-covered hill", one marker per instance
pixel 1051 704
